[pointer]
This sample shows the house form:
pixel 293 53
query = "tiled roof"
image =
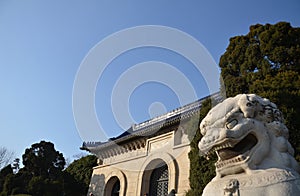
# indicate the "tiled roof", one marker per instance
pixel 151 126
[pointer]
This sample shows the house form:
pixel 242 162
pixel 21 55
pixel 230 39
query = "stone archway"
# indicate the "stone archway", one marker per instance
pixel 115 184
pixel 112 187
pixel 155 163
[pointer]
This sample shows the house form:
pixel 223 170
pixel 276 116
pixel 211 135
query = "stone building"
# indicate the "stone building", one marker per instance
pixel 151 158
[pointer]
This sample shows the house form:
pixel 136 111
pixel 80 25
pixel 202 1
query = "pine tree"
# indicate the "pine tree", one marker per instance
pixel 266 62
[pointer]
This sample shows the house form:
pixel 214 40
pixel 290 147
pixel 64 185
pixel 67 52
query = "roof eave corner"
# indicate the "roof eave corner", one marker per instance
pixel 84 147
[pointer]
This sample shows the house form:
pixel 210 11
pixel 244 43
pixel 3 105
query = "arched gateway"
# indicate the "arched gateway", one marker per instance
pixel 150 158
pixel 156 179
pixel 112 187
pixel 159 181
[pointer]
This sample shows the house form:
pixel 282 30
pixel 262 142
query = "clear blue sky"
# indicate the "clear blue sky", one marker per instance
pixel 43 43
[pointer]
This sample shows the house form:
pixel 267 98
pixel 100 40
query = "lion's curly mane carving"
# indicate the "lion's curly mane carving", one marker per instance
pixel 251 141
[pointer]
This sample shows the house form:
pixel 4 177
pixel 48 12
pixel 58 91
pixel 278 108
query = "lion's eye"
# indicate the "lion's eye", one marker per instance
pixel 249 104
pixel 230 124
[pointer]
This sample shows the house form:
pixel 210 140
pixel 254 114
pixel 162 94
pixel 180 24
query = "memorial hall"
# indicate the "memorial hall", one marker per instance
pixel 150 158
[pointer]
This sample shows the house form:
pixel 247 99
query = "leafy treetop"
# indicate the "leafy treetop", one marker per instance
pixel 43 160
pixel 266 62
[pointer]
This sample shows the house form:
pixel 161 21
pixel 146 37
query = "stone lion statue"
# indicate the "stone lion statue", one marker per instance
pixel 254 155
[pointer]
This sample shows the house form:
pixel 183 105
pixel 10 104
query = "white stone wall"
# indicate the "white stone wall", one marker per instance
pixel 131 167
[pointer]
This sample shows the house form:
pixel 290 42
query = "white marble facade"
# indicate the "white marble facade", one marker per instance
pixel 130 163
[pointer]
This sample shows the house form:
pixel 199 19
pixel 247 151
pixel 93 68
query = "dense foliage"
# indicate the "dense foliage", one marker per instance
pixel 43 160
pixel 3 174
pixel 266 62
pixel 43 173
pixel 78 175
pixel 202 169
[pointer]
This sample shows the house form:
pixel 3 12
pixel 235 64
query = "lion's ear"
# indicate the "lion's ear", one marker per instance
pixel 246 106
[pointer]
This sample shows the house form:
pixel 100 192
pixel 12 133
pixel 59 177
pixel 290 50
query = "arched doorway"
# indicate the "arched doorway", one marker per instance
pixel 159 181
pixel 116 188
pixel 113 187
pixel 156 160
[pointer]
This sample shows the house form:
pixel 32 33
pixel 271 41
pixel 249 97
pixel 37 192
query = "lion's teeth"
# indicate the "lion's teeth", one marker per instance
pixel 231 161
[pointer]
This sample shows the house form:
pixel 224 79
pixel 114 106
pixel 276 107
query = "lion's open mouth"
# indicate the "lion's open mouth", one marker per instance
pixel 238 149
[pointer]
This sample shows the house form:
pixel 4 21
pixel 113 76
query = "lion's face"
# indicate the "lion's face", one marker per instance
pixel 236 130
pixel 239 142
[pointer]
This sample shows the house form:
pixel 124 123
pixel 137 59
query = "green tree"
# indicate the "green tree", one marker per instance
pixel 78 175
pixel 16 183
pixel 202 170
pixel 39 185
pixel 43 160
pixel 16 165
pixel 266 62
pixel 3 173
pixel 41 175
